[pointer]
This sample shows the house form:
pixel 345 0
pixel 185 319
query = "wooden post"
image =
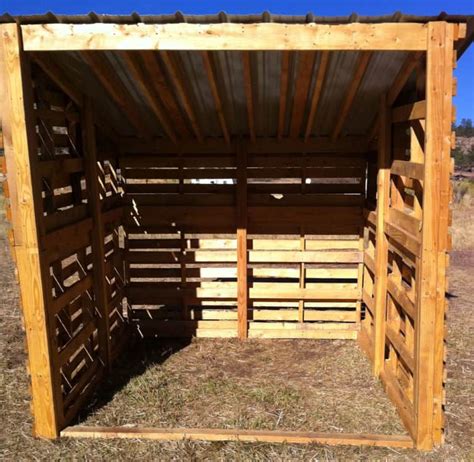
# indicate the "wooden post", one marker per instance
pixel 431 281
pixel 97 234
pixel 381 250
pixel 242 257
pixel 33 272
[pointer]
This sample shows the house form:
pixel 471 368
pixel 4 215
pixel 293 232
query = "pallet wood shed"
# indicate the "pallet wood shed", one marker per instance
pixel 261 177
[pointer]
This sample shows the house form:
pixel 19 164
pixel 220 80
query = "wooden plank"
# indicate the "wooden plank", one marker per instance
pixel 242 252
pixel 409 169
pixel 401 348
pixel 381 247
pixel 431 278
pixel 207 60
pixel 414 111
pixel 320 79
pixel 25 193
pixel 303 334
pixel 98 233
pixel 227 36
pixel 70 294
pixel 400 237
pixel 400 296
pixel 362 64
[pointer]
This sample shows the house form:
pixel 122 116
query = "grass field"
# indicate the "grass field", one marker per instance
pixel 223 383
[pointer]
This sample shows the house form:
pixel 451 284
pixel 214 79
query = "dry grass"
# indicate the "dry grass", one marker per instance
pixel 313 385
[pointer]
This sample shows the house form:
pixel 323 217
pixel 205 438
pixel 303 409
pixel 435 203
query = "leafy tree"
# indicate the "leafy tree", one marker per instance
pixel 465 128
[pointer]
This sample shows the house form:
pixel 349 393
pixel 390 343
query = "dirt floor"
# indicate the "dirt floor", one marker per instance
pixel 272 384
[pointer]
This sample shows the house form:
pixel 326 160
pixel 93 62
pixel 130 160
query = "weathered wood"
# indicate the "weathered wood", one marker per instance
pixel 354 36
pixel 381 250
pixel 33 273
pixel 431 280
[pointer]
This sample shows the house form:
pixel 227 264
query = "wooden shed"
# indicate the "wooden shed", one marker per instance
pixel 257 177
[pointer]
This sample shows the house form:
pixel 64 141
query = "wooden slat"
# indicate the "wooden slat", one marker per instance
pixel 354 36
pixel 71 293
pixel 400 296
pixel 400 237
pixel 414 111
pixel 362 64
pixel 408 169
pixel 400 347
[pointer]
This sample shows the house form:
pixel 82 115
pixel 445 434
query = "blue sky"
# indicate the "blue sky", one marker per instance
pixel 465 71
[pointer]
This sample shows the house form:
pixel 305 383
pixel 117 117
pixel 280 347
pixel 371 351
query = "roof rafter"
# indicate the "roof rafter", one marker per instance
pixel 116 89
pixel 320 78
pixel 305 74
pixel 182 93
pixel 248 93
pixel 362 64
pixel 206 57
pixel 285 64
pixel 133 63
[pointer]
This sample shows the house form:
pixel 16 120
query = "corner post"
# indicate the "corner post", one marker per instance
pixel 27 211
pixel 431 280
pixel 381 243
pixel 242 255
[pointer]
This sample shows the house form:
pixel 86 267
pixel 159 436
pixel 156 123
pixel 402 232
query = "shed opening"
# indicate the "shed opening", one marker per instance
pixel 209 183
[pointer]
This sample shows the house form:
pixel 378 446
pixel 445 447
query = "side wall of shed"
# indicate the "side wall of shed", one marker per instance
pixel 66 238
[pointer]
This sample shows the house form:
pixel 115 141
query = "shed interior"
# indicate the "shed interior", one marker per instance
pixel 232 194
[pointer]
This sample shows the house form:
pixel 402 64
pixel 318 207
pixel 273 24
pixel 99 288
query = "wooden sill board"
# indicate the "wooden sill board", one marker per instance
pixel 251 436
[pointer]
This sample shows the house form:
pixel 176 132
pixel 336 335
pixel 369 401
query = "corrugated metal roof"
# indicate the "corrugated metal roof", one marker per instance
pixel 220 17
pixel 229 75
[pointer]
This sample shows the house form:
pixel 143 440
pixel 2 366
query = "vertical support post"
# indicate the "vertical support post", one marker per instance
pixel 98 234
pixel 431 282
pixel 33 272
pixel 381 250
pixel 242 254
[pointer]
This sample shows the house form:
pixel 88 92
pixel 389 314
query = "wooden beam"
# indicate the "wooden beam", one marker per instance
pixel 98 232
pixel 206 57
pixel 350 145
pixel 248 93
pixel 431 277
pixel 242 254
pixel 320 78
pixel 285 63
pixel 33 273
pixel 381 247
pixel 106 75
pixel 250 436
pixel 397 85
pixel 362 64
pixel 182 93
pixel 133 63
pixel 303 83
pixel 229 36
